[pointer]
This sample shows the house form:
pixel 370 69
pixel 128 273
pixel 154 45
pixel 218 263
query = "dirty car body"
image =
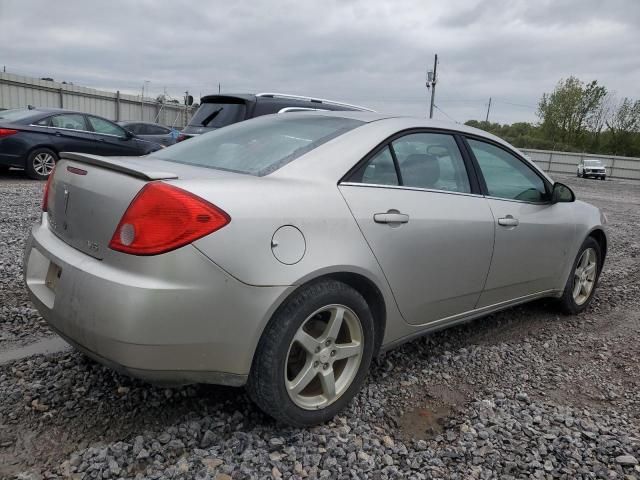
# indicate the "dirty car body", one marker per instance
pixel 418 217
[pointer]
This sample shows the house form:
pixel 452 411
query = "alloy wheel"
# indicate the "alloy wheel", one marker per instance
pixel 584 277
pixel 324 357
pixel 43 164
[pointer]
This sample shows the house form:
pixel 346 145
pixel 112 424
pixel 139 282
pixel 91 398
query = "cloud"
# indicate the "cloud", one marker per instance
pixel 362 51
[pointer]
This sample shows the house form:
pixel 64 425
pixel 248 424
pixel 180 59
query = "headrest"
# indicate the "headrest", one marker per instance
pixel 420 170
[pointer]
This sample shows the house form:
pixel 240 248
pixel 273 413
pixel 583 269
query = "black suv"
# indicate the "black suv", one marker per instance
pixel 218 111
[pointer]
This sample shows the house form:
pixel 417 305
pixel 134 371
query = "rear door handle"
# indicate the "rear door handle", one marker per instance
pixel 508 221
pixel 390 217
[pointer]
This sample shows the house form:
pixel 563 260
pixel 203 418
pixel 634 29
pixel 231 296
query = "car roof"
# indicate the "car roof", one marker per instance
pixel 128 122
pixel 55 110
pixel 409 121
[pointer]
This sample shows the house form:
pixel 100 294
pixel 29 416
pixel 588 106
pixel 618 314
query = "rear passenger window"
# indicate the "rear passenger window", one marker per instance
pixel 70 121
pixel 379 170
pixel 432 161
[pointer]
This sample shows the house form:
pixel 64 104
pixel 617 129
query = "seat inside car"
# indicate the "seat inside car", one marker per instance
pixel 421 170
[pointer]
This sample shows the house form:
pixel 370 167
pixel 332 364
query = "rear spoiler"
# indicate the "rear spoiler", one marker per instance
pixel 133 166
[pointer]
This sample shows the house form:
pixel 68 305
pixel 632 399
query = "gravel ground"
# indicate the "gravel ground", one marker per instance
pixel 526 393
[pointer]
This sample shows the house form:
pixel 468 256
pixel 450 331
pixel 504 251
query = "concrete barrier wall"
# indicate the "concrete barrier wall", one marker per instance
pixel 17 91
pixel 567 162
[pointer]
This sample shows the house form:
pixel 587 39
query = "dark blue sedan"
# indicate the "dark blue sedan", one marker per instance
pixel 33 138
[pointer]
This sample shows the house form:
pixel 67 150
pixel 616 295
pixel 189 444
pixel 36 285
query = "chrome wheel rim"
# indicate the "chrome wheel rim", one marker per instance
pixel 324 357
pixel 584 277
pixel 43 163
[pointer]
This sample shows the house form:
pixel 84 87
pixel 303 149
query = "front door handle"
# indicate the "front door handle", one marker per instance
pixel 392 216
pixel 508 221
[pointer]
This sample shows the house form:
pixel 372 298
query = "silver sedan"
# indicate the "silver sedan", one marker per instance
pixel 283 253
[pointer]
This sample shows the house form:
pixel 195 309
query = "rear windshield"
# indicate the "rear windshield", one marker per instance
pixel 259 146
pixel 216 115
pixel 17 114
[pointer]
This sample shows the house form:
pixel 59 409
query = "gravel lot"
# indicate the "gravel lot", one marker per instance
pixel 526 393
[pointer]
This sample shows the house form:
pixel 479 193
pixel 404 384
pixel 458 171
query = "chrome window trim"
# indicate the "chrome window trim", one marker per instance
pixel 108 135
pixel 61 128
pixel 404 187
pixel 76 130
pixel 433 190
pixel 489 197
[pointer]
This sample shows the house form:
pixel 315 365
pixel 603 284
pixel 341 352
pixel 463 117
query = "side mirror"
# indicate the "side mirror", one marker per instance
pixel 562 193
pixel 128 135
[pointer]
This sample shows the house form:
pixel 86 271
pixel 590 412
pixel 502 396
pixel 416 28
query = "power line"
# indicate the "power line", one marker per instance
pixel 446 114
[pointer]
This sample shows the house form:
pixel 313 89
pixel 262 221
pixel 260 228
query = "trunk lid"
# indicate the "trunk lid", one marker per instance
pixel 89 194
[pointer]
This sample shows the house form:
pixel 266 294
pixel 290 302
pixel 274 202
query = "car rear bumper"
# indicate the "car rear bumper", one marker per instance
pixel 174 318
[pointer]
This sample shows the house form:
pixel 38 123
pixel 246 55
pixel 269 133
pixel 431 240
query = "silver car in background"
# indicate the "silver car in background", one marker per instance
pixel 284 252
pixel 590 167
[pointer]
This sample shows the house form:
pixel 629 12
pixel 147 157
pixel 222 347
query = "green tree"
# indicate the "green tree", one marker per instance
pixel 624 125
pixel 566 112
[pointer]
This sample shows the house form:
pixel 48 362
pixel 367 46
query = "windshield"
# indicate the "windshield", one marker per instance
pixel 258 146
pixel 16 114
pixel 593 163
pixel 216 115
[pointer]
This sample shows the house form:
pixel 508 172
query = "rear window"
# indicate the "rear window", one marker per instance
pixel 216 115
pixel 259 146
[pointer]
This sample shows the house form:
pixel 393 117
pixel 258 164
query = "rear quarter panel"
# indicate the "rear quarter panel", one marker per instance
pixel 259 206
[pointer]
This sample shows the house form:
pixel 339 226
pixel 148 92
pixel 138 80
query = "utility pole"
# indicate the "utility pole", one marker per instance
pixel 142 100
pixel 219 88
pixel 431 83
pixel 488 109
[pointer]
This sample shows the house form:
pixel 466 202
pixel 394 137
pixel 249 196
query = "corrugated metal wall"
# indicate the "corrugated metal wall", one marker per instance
pixel 567 162
pixel 17 91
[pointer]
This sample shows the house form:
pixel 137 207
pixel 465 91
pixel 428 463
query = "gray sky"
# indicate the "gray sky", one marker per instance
pixel 368 52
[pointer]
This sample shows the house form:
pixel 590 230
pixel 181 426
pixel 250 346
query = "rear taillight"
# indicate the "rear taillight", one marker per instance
pixel 162 218
pixel 45 195
pixel 6 132
pixel 181 137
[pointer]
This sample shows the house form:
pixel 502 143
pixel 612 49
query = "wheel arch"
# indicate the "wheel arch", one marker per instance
pixel 599 236
pixel 31 149
pixel 360 282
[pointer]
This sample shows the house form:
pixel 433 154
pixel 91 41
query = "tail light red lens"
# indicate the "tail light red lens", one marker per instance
pixel 181 137
pixel 162 218
pixel 5 132
pixel 47 186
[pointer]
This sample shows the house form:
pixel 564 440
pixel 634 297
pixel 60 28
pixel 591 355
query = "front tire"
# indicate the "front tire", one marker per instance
pixel 40 163
pixel 314 355
pixel 583 279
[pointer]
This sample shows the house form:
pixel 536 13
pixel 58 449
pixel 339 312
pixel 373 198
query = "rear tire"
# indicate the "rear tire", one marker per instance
pixel 312 359
pixel 583 279
pixel 40 163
